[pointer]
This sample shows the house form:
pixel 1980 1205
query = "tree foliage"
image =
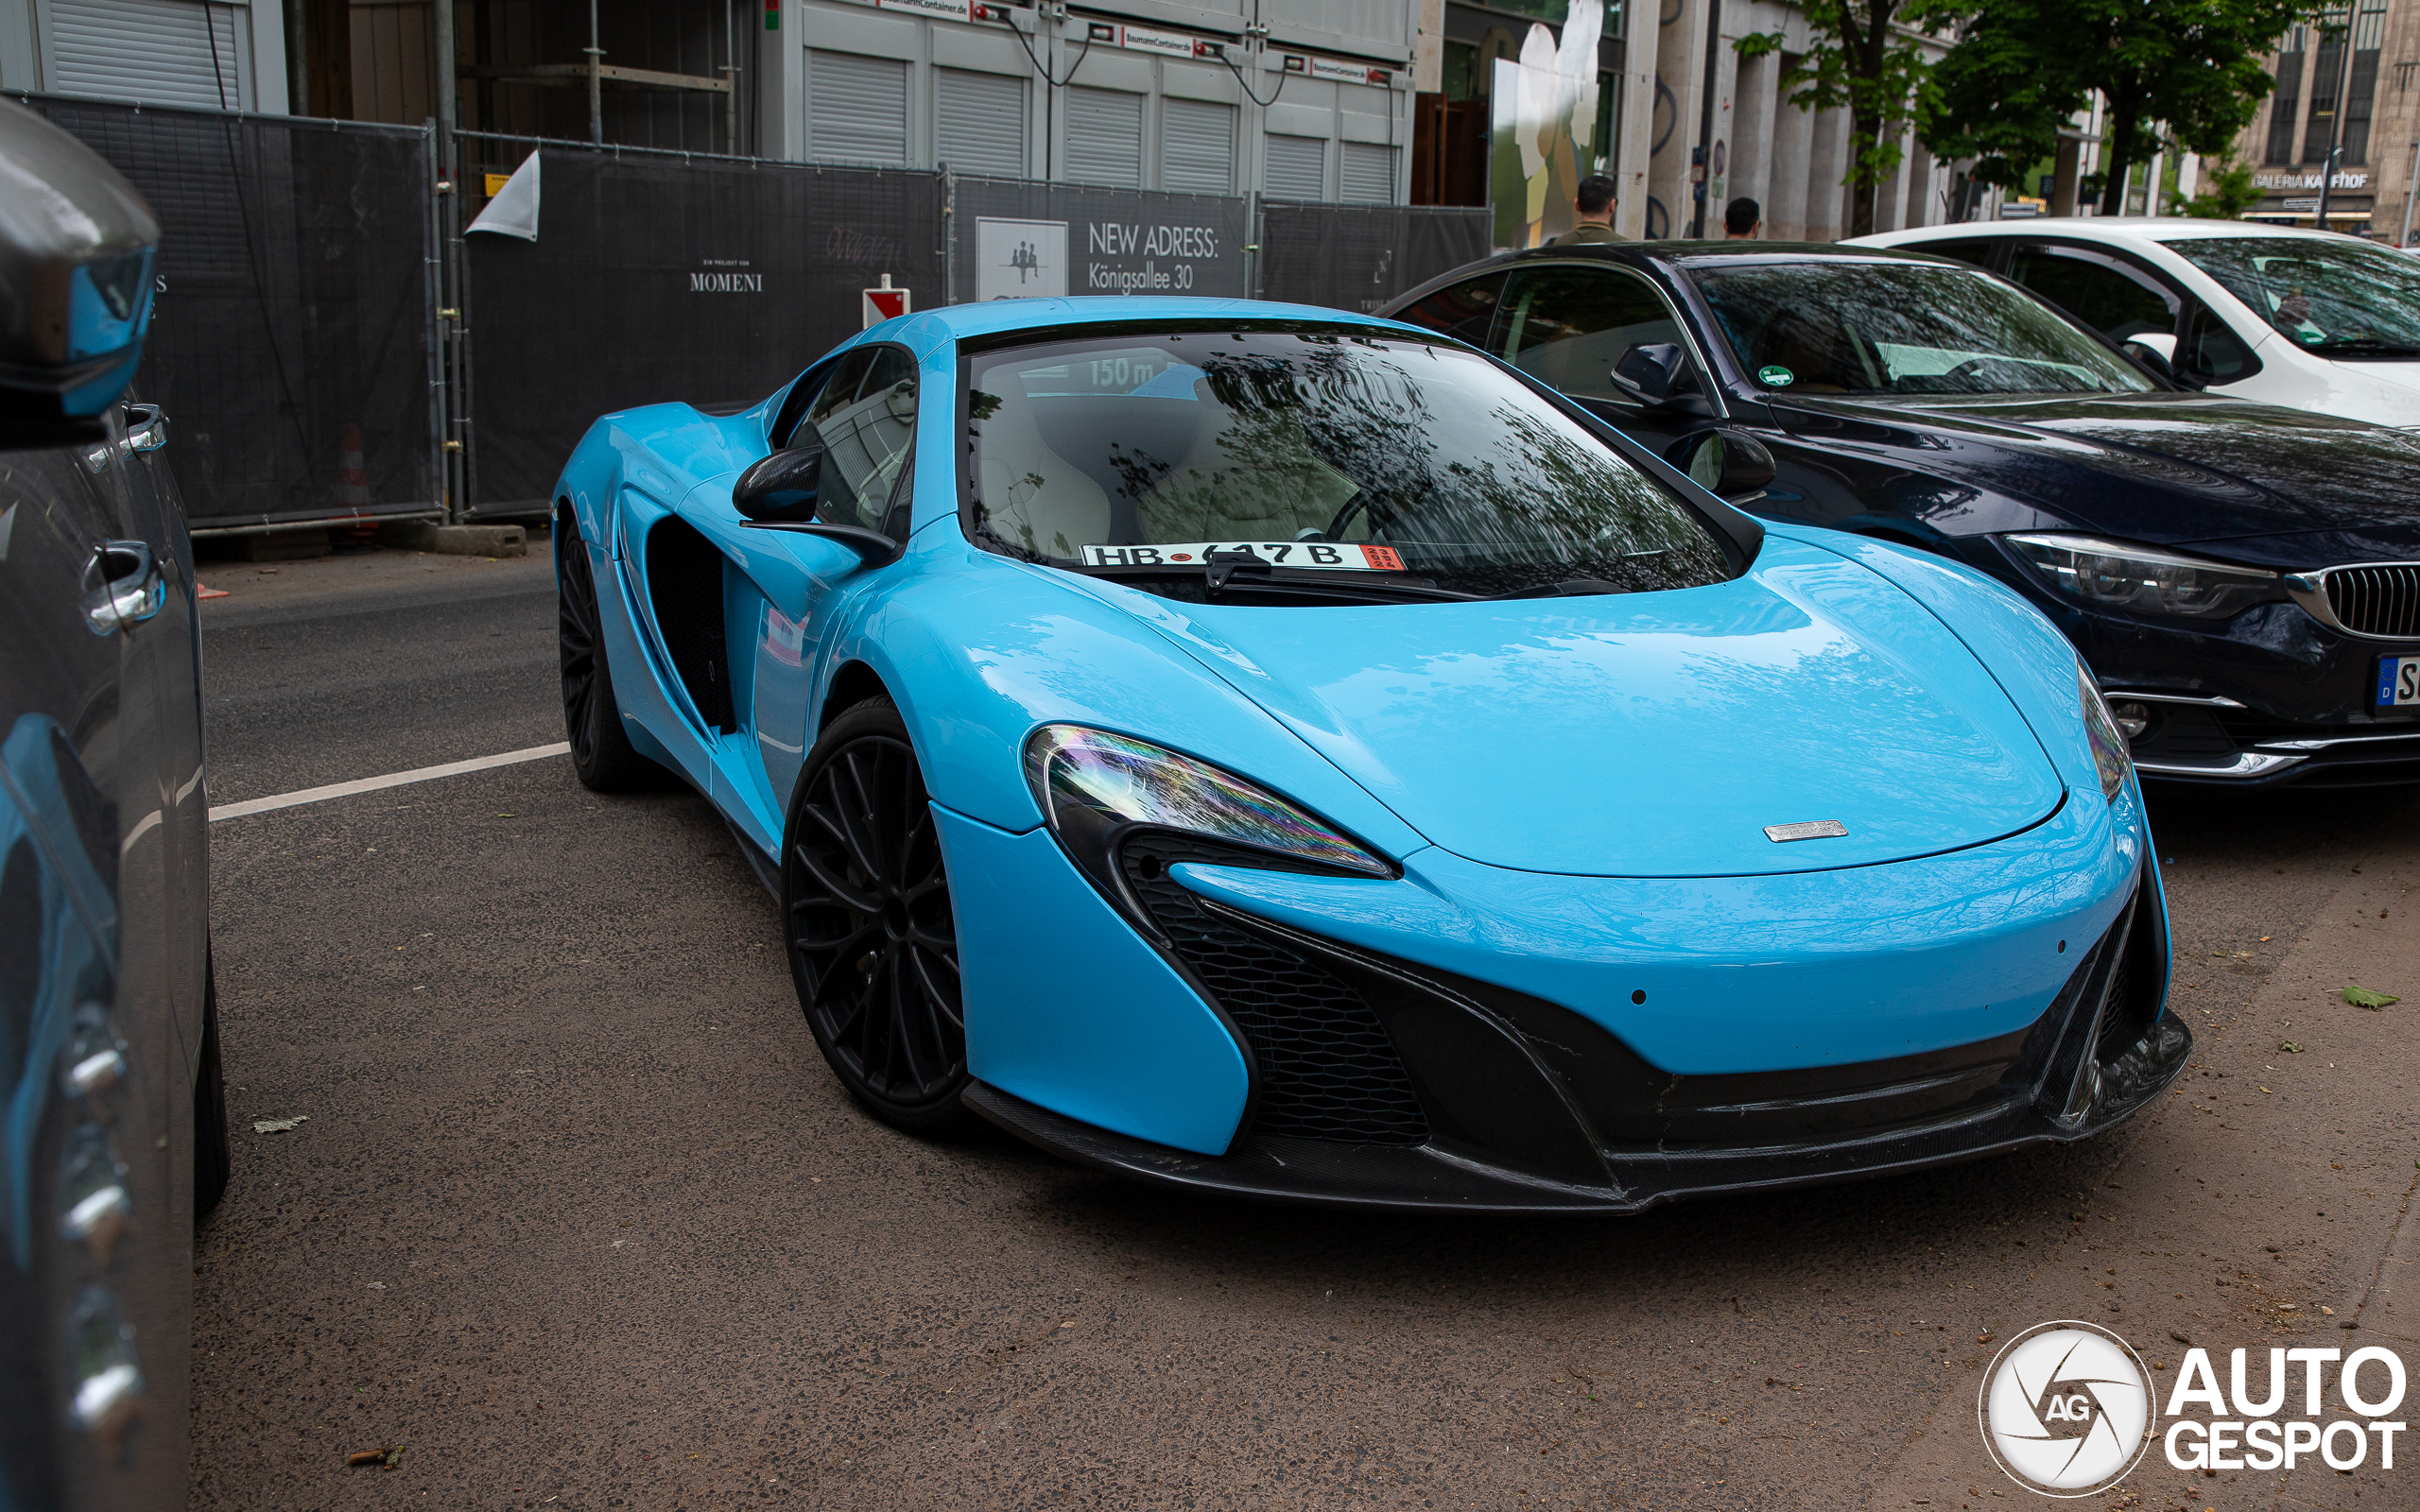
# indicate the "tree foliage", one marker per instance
pixel 1860 59
pixel 2227 190
pixel 2022 68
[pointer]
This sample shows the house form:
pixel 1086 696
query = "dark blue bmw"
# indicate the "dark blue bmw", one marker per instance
pixel 2243 579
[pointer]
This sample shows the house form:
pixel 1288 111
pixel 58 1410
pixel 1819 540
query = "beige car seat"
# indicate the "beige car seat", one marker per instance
pixel 1036 498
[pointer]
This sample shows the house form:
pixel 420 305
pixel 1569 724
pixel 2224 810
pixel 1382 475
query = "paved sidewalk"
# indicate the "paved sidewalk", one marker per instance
pixel 2234 1218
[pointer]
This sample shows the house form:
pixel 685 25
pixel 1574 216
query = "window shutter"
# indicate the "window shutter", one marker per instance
pixel 856 108
pixel 1297 168
pixel 1105 137
pixel 1367 171
pixel 979 122
pixel 161 52
pixel 1198 147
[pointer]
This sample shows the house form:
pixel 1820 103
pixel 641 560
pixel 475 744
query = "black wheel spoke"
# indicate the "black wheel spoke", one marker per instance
pixel 837 889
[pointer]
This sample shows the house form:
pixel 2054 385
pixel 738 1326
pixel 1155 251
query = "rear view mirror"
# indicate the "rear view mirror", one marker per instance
pixel 1652 371
pixel 75 274
pixel 780 487
pixel 2155 350
pixel 780 492
pixel 1730 464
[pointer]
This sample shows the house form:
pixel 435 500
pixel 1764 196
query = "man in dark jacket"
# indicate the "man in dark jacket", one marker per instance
pixel 1594 208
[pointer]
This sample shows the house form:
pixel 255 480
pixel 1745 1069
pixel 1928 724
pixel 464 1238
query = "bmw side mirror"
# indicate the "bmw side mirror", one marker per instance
pixel 75 277
pixel 1730 464
pixel 781 492
pixel 1650 370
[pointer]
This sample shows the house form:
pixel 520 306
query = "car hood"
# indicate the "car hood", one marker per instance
pixel 1648 734
pixel 2166 467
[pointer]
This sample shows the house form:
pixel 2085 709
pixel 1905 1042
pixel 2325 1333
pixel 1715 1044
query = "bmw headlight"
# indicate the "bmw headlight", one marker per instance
pixel 2144 579
pixel 1092 784
pixel 2109 753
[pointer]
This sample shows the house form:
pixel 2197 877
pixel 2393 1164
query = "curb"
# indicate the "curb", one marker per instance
pixel 457 540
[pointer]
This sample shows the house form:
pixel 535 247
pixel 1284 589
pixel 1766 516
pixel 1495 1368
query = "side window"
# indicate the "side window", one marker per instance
pixel 1568 326
pixel 2114 301
pixel 864 426
pixel 1462 311
pixel 1983 251
pixel 840 377
pixel 2212 353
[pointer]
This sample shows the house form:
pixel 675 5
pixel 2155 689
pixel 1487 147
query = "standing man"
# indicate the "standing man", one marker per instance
pixel 1593 206
pixel 1741 219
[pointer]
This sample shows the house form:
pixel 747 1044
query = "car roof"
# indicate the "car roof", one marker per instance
pixel 955 322
pixel 2102 227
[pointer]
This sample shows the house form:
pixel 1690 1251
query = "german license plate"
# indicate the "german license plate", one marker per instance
pixel 2398 683
pixel 1336 556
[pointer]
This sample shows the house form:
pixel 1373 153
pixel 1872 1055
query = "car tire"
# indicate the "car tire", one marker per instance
pixel 214 1162
pixel 601 752
pixel 867 924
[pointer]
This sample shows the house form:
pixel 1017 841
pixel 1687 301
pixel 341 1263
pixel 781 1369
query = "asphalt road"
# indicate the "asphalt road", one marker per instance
pixel 580 1220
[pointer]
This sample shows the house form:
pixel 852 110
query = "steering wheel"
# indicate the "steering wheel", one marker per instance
pixel 1967 368
pixel 1355 505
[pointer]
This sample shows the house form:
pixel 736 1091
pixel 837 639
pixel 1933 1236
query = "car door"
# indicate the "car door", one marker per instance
pixel 95 1280
pixel 861 410
pixel 1568 324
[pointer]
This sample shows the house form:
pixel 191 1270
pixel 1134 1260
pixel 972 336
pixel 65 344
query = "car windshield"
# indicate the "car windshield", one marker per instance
pixel 1308 466
pixel 2339 297
pixel 1844 326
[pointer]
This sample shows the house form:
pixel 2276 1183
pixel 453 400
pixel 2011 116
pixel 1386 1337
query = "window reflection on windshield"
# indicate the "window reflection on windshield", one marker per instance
pixel 1147 452
pixel 2338 295
pixel 1835 326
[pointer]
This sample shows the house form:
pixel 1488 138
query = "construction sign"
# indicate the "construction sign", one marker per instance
pixel 885 303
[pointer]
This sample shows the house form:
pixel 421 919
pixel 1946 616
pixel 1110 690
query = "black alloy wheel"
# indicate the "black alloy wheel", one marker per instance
pixel 601 752
pixel 866 914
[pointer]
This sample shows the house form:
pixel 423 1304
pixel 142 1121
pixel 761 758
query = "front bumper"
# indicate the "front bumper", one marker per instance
pixel 2270 696
pixel 1216 1025
pixel 1486 1100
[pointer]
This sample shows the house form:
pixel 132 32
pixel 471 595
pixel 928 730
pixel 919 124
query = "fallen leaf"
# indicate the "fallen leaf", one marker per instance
pixel 367 1456
pixel 2361 997
pixel 279 1125
pixel 2289 1047
pixel 2179 1336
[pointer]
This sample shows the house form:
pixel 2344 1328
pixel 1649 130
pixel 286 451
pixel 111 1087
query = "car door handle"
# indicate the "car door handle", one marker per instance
pixel 122 584
pixel 147 427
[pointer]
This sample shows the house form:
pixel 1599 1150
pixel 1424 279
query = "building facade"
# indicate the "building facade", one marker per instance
pixel 2344 88
pixel 225 55
pixel 1667 151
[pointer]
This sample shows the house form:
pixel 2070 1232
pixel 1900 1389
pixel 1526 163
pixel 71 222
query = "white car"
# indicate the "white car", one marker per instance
pixel 2305 319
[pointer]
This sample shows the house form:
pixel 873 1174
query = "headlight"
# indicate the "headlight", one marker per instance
pixel 1091 783
pixel 2145 580
pixel 2109 754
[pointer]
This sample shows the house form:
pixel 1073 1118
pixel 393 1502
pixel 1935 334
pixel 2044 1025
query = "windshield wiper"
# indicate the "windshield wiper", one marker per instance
pixel 1570 588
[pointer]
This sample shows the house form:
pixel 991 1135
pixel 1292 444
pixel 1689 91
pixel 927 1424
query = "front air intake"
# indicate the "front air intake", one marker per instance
pixel 1327 1070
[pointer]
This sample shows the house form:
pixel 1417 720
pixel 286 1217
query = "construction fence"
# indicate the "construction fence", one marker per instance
pixel 330 343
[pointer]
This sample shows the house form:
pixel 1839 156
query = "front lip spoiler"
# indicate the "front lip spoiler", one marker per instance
pixel 1396 1178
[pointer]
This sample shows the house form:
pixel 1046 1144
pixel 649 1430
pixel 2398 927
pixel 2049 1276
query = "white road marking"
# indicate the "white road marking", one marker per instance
pixel 371 784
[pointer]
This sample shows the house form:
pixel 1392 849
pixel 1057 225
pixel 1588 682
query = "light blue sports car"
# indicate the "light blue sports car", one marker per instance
pixel 1265 750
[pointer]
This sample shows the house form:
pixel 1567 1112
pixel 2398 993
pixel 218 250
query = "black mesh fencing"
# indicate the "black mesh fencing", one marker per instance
pixel 668 276
pixel 1015 239
pixel 293 346
pixel 1358 257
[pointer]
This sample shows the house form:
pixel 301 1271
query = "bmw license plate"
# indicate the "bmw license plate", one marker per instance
pixel 2398 683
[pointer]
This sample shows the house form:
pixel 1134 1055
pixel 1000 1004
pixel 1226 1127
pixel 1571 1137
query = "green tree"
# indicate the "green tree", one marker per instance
pixel 1861 59
pixel 2022 68
pixel 2227 190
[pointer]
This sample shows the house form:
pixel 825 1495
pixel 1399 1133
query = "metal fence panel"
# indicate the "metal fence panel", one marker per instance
pixel 662 277
pixel 293 344
pixel 1358 257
